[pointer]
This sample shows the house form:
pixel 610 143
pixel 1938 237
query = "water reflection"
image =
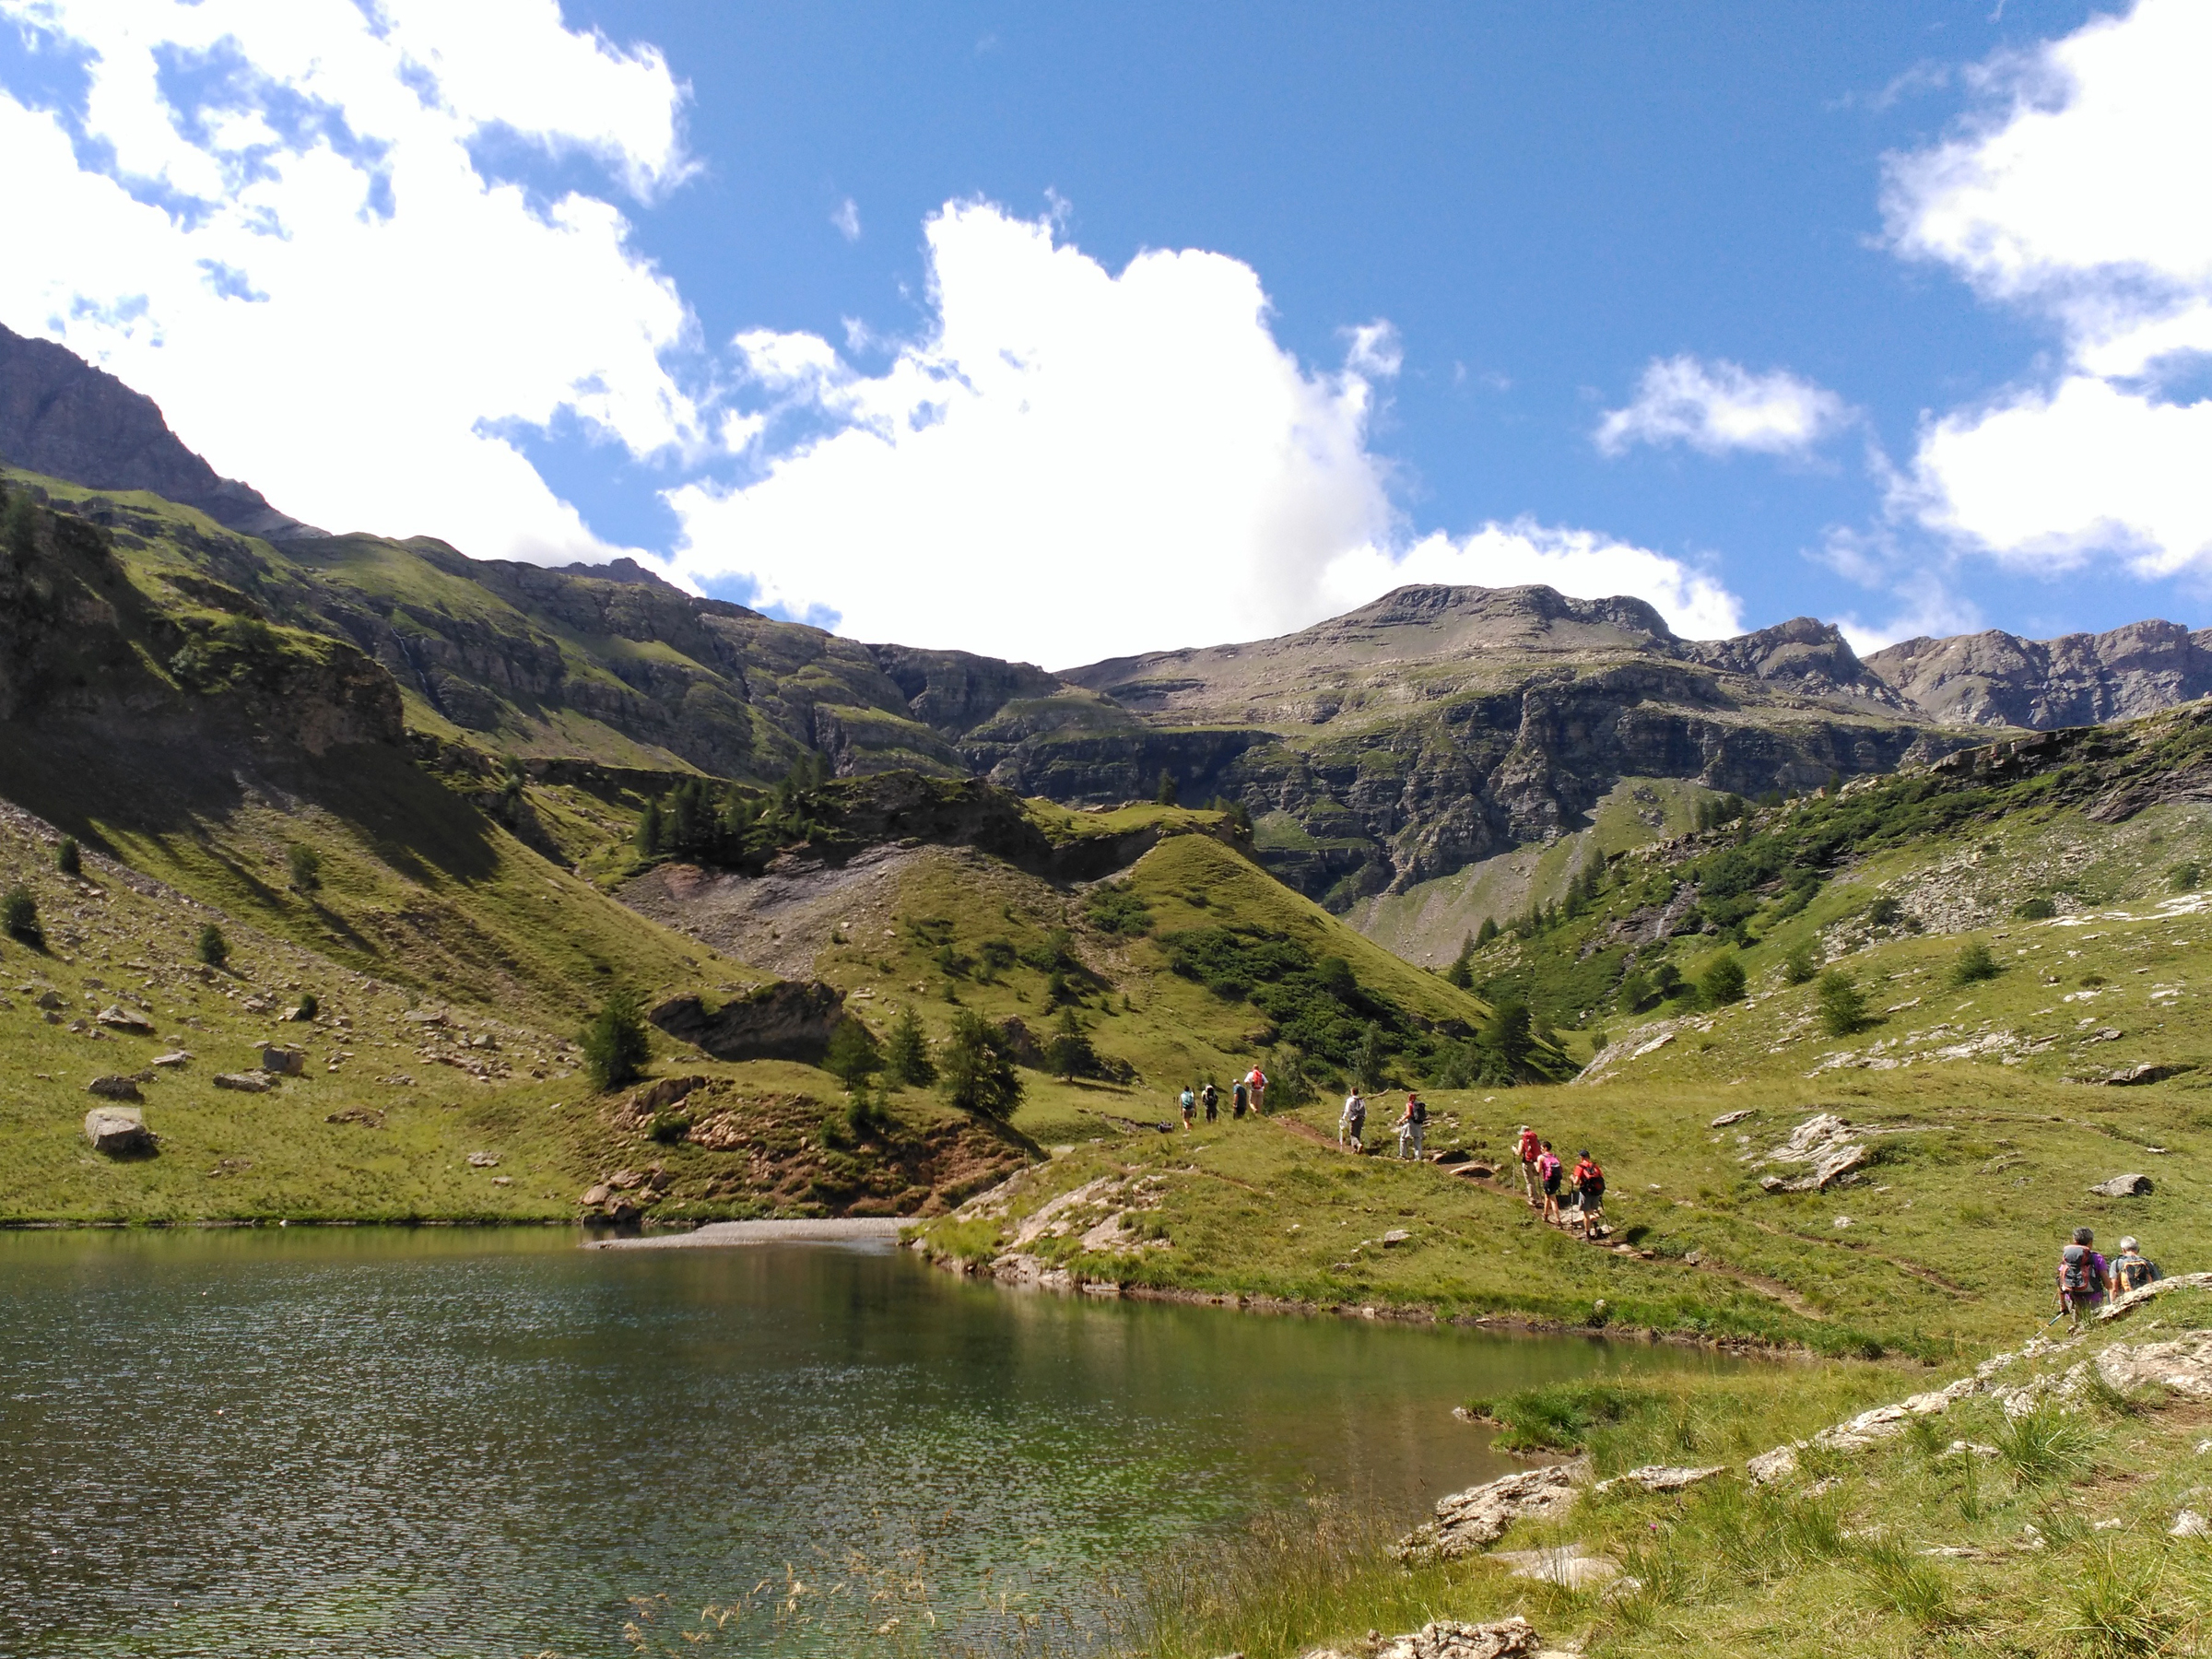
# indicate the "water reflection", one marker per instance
pixel 406 1442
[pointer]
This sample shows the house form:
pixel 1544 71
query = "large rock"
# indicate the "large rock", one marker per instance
pixel 1512 1638
pixel 120 1019
pixel 245 1082
pixel 117 1130
pixel 2123 1186
pixel 787 1019
pixel 281 1061
pixel 114 1088
pixel 1469 1522
pixel 2183 1365
pixel 1826 1142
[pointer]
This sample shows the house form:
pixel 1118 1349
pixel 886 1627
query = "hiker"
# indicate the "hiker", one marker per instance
pixel 1256 1081
pixel 1212 1097
pixel 1531 1149
pixel 1548 1176
pixel 1238 1095
pixel 1190 1105
pixel 1413 1126
pixel 1352 1126
pixel 2082 1278
pixel 2131 1269
pixel 1589 1191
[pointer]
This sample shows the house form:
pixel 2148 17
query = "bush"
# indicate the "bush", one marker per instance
pixel 1069 1054
pixel 854 1057
pixel 1636 992
pixel 1885 912
pixel 976 1072
pixel 310 1005
pixel 2186 877
pixel 614 1044
pixel 1722 983
pixel 1974 964
pixel 68 858
pixel 20 916
pixel 1800 964
pixel 1842 1003
pixel 669 1127
pixel 306 866
pixel 1114 909
pixel 215 951
pixel 2037 909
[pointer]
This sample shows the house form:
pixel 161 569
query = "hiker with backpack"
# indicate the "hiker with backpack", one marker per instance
pixel 1531 1149
pixel 1190 1106
pixel 2083 1277
pixel 1212 1097
pixel 1547 1177
pixel 1255 1080
pixel 1352 1125
pixel 1589 1193
pixel 1238 1096
pixel 1413 1127
pixel 2131 1269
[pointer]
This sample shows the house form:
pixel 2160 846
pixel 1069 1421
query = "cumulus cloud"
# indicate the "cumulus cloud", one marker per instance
pixel 1581 563
pixel 1074 463
pixel 2075 192
pixel 275 220
pixel 1719 407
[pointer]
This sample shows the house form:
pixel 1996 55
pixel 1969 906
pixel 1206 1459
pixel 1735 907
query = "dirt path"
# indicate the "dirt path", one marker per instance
pixel 722 1233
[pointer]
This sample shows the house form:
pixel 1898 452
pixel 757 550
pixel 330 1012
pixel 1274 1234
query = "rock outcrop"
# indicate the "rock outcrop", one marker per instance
pixel 1995 679
pixel 787 1019
pixel 1470 1522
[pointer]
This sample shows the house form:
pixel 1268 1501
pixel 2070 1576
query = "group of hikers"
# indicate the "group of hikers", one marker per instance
pixel 2086 1279
pixel 1543 1172
pixel 1412 1124
pixel 1248 1093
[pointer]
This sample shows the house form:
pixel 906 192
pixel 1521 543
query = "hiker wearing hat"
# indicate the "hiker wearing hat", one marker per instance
pixel 1352 1125
pixel 1531 1149
pixel 2131 1269
pixel 2083 1277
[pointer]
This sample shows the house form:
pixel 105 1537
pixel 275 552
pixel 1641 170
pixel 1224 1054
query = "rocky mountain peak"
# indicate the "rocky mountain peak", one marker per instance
pixel 1998 679
pixel 1470 617
pixel 1805 652
pixel 61 417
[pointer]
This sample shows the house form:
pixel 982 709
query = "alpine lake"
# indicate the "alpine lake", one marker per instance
pixel 438 1441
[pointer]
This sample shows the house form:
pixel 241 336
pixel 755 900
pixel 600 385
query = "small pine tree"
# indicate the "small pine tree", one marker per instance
pixel 19 917
pixel 976 1073
pixel 310 1005
pixel 1165 795
pixel 215 951
pixel 1842 1003
pixel 1462 972
pixel 306 866
pixel 1800 964
pixel 1505 1040
pixel 614 1041
pixel 906 1056
pixel 68 858
pixel 1722 983
pixel 1975 965
pixel 1486 934
pixel 854 1057
pixel 649 832
pixel 1070 1053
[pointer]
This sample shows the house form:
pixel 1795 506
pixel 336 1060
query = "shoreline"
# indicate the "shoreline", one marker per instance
pixel 732 1235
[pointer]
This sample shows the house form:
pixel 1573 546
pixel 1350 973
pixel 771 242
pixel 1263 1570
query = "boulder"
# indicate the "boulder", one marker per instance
pixel 49 1000
pixel 1660 1477
pixel 593 1197
pixel 1570 1566
pixel 2123 1186
pixel 114 1088
pixel 659 1095
pixel 1769 1467
pixel 1512 1638
pixel 1396 1237
pixel 2183 1365
pixel 483 1160
pixel 1474 1520
pixel 788 1019
pixel 174 1057
pixel 1022 1046
pixel 1824 1142
pixel 117 1130
pixel 245 1082
pixel 117 1018
pixel 1727 1118
pixel 281 1061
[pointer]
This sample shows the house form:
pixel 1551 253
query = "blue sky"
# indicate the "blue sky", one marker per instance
pixel 1480 233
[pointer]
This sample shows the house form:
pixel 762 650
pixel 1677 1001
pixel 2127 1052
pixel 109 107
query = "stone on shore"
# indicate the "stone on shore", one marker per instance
pixel 116 1129
pixel 1472 1520
pixel 1660 1477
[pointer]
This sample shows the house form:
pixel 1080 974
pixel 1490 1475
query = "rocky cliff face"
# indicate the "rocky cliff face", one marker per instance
pixel 61 417
pixel 1994 678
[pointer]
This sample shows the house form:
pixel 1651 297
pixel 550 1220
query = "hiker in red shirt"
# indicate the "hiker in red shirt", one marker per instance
pixel 1589 1191
pixel 1531 1149
pixel 1256 1081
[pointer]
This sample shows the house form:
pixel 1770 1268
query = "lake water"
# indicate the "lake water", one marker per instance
pixel 393 1442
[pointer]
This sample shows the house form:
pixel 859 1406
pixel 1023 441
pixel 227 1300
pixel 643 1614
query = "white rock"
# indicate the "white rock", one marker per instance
pixel 1568 1565
pixel 1769 1467
pixel 1660 1477
pixel 2189 1525
pixel 1475 1519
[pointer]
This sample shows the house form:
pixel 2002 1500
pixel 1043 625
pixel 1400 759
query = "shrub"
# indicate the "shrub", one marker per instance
pixel 614 1041
pixel 2044 1444
pixel 215 951
pixel 1114 909
pixel 976 1072
pixel 2186 877
pixel 1885 912
pixel 2037 909
pixel 1560 1416
pixel 906 1057
pixel 68 858
pixel 1637 992
pixel 997 955
pixel 854 1057
pixel 1800 964
pixel 669 1127
pixel 1722 982
pixel 310 1005
pixel 20 916
pixel 1069 1054
pixel 1842 1003
pixel 1973 965
pixel 19 524
pixel 306 866
pixel 1371 1062
pixel 2118 1605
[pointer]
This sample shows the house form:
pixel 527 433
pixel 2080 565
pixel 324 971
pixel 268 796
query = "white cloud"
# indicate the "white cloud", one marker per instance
pixel 847 219
pixel 1574 561
pixel 1075 463
pixel 290 249
pixel 2077 192
pixel 1720 406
